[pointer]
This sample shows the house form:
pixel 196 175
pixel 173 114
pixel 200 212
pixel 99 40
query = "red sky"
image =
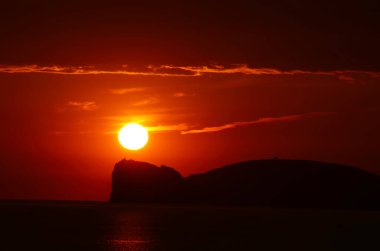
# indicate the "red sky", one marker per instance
pixel 214 84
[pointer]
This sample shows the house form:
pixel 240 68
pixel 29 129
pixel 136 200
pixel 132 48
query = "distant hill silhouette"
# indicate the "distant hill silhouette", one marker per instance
pixel 275 183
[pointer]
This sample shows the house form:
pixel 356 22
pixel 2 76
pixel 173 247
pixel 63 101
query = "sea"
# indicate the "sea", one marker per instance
pixel 71 226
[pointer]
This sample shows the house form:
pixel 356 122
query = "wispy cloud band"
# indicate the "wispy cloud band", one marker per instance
pixel 182 71
pixel 83 106
pixel 122 91
pixel 257 121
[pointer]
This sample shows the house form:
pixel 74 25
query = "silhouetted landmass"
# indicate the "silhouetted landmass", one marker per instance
pixel 274 183
pixel 134 181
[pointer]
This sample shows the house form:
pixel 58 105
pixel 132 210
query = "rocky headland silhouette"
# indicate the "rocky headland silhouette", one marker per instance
pixel 270 183
pixel 134 181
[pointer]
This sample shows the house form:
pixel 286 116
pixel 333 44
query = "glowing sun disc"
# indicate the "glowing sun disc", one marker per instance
pixel 133 136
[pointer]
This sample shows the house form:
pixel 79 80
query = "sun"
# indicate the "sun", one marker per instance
pixel 133 136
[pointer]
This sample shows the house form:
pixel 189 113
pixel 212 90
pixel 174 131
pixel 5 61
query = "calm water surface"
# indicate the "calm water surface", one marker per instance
pixel 100 226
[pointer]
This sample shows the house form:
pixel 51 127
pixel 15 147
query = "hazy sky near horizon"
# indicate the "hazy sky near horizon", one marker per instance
pixel 214 85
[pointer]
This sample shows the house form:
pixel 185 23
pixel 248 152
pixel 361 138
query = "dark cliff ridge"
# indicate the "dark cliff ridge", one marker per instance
pixel 282 183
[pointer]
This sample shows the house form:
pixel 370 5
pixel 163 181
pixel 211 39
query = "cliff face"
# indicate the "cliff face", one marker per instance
pixel 134 181
pixel 284 183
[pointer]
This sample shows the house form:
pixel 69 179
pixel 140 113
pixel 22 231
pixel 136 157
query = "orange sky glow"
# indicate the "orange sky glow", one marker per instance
pixel 213 85
pixel 65 126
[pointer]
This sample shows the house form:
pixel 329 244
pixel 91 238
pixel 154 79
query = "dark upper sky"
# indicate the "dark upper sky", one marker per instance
pixel 279 34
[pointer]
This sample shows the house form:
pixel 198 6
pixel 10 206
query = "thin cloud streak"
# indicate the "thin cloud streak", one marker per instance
pixel 123 91
pixel 84 70
pixel 84 106
pixel 168 128
pixel 161 128
pixel 179 94
pixel 183 94
pixel 244 69
pixel 183 71
pixel 147 101
pixel 258 121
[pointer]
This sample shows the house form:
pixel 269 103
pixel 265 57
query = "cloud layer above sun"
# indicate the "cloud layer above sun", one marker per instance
pixel 183 71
